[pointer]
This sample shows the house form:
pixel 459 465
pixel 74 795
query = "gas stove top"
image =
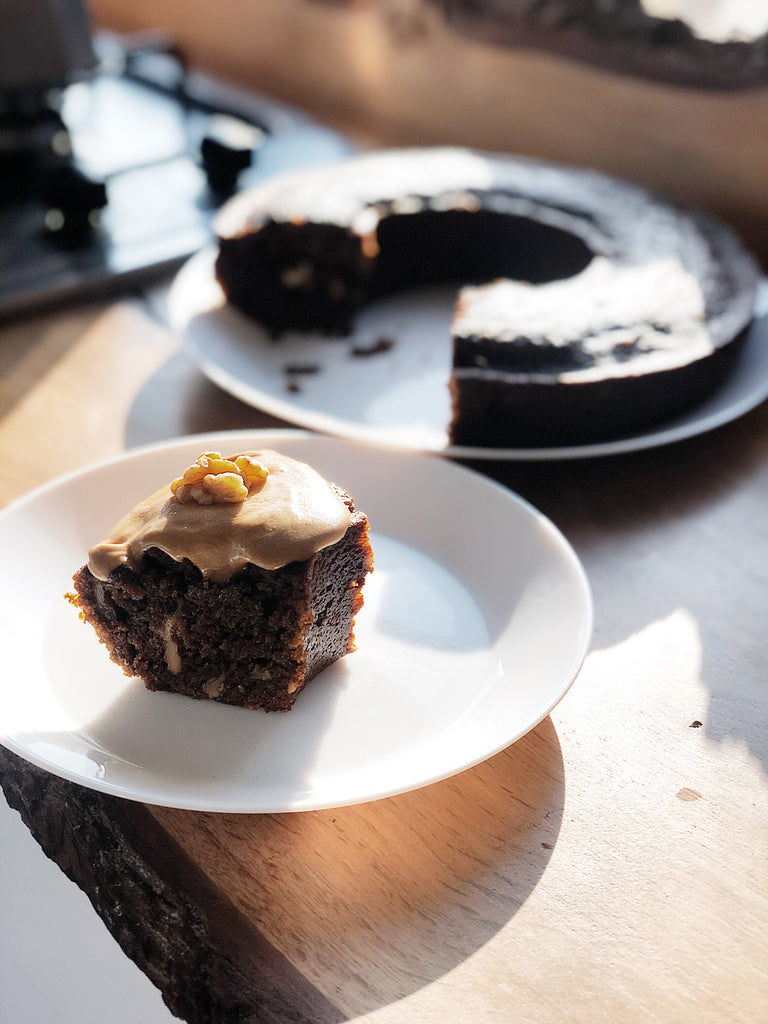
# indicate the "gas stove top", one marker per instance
pixel 116 179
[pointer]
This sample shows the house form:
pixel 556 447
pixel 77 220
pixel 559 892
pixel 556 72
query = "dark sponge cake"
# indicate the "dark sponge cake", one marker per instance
pixel 178 597
pixel 306 251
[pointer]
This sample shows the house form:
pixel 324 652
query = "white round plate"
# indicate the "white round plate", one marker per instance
pixel 477 619
pixel 397 397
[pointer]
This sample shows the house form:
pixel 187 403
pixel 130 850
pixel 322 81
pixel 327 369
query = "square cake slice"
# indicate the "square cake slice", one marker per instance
pixel 238 584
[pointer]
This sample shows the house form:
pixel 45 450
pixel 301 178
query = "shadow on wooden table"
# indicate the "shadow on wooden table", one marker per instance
pixel 178 400
pixel 678 530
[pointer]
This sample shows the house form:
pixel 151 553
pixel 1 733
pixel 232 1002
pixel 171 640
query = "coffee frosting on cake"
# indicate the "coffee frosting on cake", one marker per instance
pixel 293 515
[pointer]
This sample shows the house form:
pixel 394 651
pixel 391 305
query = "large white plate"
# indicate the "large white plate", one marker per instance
pixel 397 397
pixel 476 621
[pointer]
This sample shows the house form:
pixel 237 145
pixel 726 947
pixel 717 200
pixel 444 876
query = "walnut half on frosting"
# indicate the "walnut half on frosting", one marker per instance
pixel 213 480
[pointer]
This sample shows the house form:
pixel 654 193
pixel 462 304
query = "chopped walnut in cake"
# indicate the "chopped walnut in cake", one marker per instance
pixel 213 480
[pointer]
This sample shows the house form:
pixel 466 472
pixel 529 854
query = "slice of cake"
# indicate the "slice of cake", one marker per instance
pixel 238 583
pixel 611 350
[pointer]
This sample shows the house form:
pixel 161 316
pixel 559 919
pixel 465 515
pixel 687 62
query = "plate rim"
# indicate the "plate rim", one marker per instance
pixel 565 550
pixel 686 425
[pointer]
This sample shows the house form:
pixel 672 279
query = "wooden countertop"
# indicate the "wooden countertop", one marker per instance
pixel 611 865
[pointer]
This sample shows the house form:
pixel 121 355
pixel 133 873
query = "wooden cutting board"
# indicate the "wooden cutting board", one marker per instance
pixel 610 865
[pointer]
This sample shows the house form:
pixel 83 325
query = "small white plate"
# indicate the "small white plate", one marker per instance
pixel 477 619
pixel 398 397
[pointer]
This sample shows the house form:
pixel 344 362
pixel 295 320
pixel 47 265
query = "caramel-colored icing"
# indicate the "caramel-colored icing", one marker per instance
pixel 293 515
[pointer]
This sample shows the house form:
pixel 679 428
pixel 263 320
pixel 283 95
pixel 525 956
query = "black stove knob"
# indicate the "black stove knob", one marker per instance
pixel 73 201
pixel 228 148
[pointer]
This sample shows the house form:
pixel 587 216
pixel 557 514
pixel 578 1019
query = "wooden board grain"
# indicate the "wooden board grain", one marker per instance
pixel 593 868
pixel 610 865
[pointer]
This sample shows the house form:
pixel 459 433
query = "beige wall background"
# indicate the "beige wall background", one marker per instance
pixel 392 72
